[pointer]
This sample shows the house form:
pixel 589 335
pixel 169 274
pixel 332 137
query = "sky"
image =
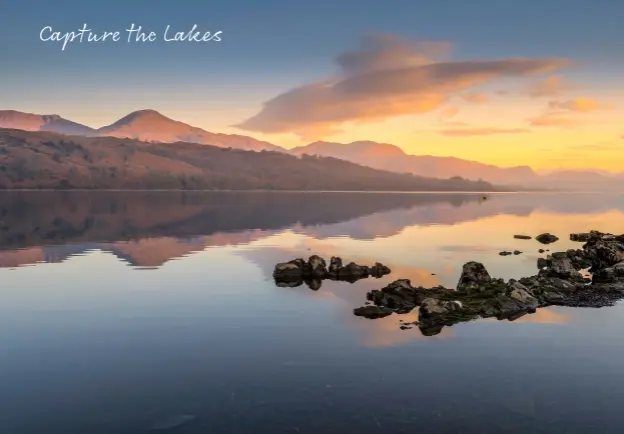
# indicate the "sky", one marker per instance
pixel 504 82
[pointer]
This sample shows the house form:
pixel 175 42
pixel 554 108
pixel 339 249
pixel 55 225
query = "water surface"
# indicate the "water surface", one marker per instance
pixel 156 312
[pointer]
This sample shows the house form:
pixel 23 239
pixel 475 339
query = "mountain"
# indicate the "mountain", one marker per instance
pixel 152 126
pixel 385 156
pixel 49 160
pixel 588 180
pixel 33 122
pixel 145 125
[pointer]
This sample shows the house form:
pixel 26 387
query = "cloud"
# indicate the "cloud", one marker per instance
pixel 382 52
pixel 551 86
pixel 483 131
pixel 387 77
pixel 553 120
pixel 577 105
pixel 475 98
pixel 598 147
pixel 448 113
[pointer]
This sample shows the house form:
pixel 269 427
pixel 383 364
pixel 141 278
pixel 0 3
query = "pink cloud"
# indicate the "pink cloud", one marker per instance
pixel 389 76
pixel 553 120
pixel 551 86
pixel 578 105
pixel 483 131
pixel 475 98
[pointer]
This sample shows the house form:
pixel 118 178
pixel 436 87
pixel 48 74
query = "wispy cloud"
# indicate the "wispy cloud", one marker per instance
pixel 475 98
pixel 554 85
pixel 578 105
pixel 388 76
pixel 449 112
pixel 598 147
pixel 482 131
pixel 553 119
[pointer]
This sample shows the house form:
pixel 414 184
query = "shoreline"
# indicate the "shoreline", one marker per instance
pixel 542 192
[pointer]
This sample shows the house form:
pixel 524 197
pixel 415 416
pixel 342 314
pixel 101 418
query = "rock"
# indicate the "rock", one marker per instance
pixel 505 253
pixel 553 297
pixel 603 254
pixel 560 267
pixel 399 295
pixel 546 238
pixel 288 269
pixel 582 237
pixel 501 307
pixel 379 270
pixel 314 284
pixel 432 306
pixel 517 252
pixel 397 285
pixel 473 277
pixel 317 266
pixel 353 270
pixel 373 312
pixel 523 297
pixel 541 250
pixel 609 275
pixel 315 269
pixel 558 282
pixel 335 264
pixel 522 237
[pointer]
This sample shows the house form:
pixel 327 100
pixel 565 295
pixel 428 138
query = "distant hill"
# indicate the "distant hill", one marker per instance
pixel 389 157
pixel 49 160
pixel 145 125
pixel 588 180
pixel 151 126
pixel 33 122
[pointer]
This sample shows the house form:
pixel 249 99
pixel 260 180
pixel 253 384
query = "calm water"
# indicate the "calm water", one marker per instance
pixel 156 312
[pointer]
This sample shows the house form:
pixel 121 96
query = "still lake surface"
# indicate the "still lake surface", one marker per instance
pixel 156 312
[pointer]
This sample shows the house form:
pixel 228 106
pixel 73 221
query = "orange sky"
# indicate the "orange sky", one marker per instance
pixel 545 112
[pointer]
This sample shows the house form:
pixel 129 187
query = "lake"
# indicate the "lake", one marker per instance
pixel 138 312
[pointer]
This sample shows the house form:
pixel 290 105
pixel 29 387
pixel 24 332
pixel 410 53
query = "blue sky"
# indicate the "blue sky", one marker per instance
pixel 269 47
pixel 277 38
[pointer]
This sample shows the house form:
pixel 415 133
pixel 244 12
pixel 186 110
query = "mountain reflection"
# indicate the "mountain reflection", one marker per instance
pixel 147 229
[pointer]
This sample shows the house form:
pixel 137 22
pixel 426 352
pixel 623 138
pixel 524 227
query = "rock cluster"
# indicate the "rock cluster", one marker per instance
pixel 315 269
pixel 478 295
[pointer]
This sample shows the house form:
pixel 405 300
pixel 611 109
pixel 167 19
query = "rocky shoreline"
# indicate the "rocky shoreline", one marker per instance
pixel 478 295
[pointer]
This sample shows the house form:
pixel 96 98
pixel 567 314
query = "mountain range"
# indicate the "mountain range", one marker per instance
pixel 143 125
pixel 152 126
pixel 46 160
